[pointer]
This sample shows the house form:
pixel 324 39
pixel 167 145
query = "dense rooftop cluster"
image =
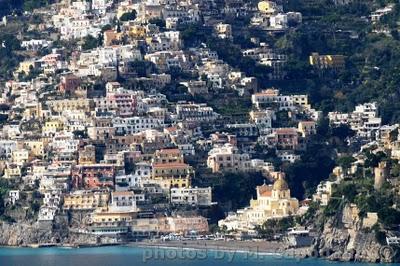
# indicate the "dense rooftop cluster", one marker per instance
pixel 134 118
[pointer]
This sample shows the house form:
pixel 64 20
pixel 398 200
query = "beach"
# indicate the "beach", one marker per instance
pixel 271 247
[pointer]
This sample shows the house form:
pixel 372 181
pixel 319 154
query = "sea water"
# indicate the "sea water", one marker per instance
pixel 135 256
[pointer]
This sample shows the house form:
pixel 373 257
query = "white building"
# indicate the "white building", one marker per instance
pixel 187 149
pixel 123 201
pixel 191 196
pixel 36 44
pixel 13 196
pixel 279 21
pixel 227 158
pixel 52 198
pixel 135 124
pixel 263 118
pixel 364 119
pixel 272 98
pixel 379 13
pixel 7 147
pixel 223 31
pixel 47 214
pixel 101 6
pixel 323 192
pixel 195 112
pixel 288 157
pixel 136 179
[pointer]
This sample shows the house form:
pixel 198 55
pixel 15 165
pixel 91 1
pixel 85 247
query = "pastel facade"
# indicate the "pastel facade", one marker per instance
pixel 272 202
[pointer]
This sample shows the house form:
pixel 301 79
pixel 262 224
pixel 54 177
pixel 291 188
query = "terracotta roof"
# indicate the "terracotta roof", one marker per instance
pixel 169 151
pixel 170 165
pixel 267 92
pixel 286 131
pixel 308 122
pixel 265 191
pixel 171 128
pixel 122 193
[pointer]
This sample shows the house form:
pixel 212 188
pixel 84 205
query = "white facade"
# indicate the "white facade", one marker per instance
pixel 288 157
pixel 7 147
pixel 47 214
pixel 52 198
pixel 283 102
pixel 101 6
pixel 13 196
pixel 36 44
pixel 123 201
pixel 364 119
pixel 136 179
pixel 323 192
pixel 227 158
pixel 187 149
pixel 191 196
pixel 135 124
pixel 195 112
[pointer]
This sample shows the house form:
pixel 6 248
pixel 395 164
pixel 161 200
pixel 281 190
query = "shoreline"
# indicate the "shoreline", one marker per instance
pixel 256 248
pixel 272 247
pixel 263 248
pixel 196 246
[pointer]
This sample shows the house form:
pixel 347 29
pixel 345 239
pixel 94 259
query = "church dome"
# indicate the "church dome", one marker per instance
pixel 280 184
pixel 266 7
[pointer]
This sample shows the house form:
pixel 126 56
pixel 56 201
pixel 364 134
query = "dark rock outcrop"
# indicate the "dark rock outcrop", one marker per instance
pixel 342 238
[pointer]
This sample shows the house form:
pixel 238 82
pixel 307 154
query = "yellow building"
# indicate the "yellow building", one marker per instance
pixel 52 126
pixel 327 61
pixel 27 66
pixel 301 100
pixel 32 110
pixel 111 37
pixel 71 105
pixel 87 155
pixel 273 202
pixel 175 174
pixel 307 128
pixel 105 217
pixel 267 7
pixel 12 171
pixel 20 156
pixel 86 200
pixel 168 182
pixel 36 147
pixel 137 31
pixel 170 169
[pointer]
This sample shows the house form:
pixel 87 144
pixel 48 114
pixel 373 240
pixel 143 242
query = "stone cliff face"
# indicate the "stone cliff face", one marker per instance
pixel 57 233
pixel 22 234
pixel 342 239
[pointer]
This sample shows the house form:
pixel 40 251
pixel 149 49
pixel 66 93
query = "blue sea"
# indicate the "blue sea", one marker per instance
pixel 125 256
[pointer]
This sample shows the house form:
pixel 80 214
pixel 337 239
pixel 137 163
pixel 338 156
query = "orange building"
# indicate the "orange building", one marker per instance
pixel 93 176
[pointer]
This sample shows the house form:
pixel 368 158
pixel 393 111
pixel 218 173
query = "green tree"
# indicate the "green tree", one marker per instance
pixel 128 16
pixel 158 21
pixel 272 227
pixel 345 161
pixel 389 216
pixel 90 42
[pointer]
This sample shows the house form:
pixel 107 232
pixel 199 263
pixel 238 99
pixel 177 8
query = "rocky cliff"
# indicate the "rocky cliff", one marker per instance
pixel 343 238
pixel 55 233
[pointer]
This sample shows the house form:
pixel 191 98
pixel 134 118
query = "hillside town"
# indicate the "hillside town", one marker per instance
pixel 122 122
